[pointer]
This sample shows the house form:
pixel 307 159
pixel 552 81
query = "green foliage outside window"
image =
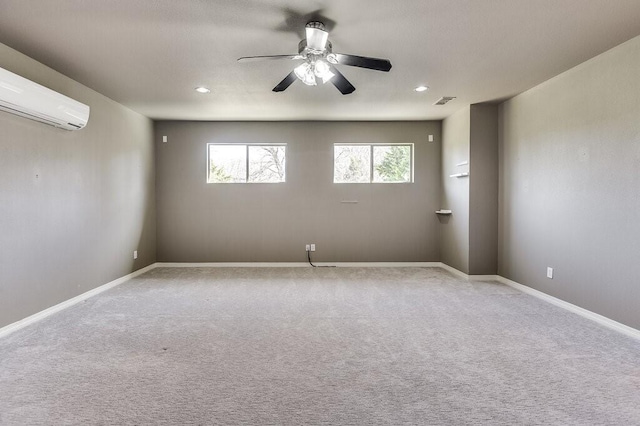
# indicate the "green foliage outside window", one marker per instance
pixel 395 165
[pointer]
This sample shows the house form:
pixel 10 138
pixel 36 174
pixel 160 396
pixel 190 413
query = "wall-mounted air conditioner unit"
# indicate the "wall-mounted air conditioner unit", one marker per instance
pixel 27 99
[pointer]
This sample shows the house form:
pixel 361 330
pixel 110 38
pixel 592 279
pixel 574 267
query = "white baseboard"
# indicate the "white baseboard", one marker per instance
pixel 454 271
pixel 602 320
pixel 231 264
pixel 483 277
pixel 6 330
pixel 298 264
pixel 382 264
pixel 462 275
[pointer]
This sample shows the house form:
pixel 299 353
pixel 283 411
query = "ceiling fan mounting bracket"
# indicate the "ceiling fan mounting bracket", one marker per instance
pixel 315 24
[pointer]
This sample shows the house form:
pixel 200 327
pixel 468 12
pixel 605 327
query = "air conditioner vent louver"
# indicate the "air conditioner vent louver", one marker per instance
pixel 443 100
pixel 30 100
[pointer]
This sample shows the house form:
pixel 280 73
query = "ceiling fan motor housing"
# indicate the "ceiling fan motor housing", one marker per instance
pixel 303 49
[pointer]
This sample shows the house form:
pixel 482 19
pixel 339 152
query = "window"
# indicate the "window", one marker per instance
pixel 372 163
pixel 234 163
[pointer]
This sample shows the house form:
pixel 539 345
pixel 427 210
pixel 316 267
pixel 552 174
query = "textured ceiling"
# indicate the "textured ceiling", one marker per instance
pixel 150 54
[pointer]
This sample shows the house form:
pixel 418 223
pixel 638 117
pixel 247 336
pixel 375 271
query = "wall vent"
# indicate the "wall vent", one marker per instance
pixel 443 100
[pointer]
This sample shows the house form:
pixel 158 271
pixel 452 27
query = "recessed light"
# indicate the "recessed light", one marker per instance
pixel 202 90
pixel 421 89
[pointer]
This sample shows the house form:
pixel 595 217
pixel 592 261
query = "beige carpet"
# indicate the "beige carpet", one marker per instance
pixel 292 346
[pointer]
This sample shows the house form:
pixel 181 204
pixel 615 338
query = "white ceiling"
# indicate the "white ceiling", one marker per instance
pixel 150 54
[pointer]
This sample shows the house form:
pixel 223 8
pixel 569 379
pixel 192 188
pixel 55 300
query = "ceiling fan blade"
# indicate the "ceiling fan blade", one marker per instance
pixel 341 82
pixel 288 81
pixel 316 38
pixel 268 58
pixel 364 62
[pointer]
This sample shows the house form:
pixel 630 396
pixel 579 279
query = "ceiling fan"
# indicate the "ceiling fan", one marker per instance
pixel 319 61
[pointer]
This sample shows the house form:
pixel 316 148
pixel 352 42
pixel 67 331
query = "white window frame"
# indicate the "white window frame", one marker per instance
pixel 246 145
pixel 371 167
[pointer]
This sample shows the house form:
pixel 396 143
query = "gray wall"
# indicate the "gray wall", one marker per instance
pixel 74 205
pixel 456 138
pixel 483 191
pixel 200 222
pixel 469 235
pixel 570 185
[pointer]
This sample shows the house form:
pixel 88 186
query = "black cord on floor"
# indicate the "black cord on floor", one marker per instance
pixel 317 266
pixel 309 258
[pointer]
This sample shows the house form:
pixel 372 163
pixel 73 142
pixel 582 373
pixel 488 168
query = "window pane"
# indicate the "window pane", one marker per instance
pixel 352 163
pixel 392 163
pixel 267 163
pixel 227 163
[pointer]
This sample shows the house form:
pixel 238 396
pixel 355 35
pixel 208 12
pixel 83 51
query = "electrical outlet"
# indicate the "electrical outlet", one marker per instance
pixel 135 254
pixel 549 272
pixel 308 247
pixel 313 247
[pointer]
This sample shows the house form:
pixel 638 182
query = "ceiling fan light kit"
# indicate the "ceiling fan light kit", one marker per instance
pixel 317 53
pixel 305 73
pixel 308 71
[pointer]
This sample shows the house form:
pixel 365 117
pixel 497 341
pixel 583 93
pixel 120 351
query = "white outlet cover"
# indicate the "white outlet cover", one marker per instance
pixel 307 247
pixel 313 247
pixel 549 272
pixel 135 254
pixel 430 138
pixel 164 139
